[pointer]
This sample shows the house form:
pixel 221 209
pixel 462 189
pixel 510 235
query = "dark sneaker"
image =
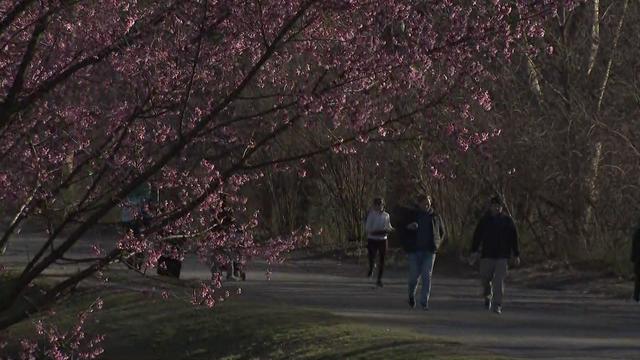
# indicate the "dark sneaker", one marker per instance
pixel 412 302
pixel 379 283
pixel 487 303
pixel 497 309
pixel 425 307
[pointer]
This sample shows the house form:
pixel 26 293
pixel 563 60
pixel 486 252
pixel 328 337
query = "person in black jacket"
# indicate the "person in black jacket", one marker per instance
pixel 421 237
pixel 635 258
pixel 496 237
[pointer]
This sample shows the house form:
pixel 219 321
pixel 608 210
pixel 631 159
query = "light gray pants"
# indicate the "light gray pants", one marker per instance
pixel 493 273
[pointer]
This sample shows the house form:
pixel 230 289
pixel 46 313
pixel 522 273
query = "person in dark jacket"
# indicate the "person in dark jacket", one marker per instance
pixel 496 237
pixel 635 258
pixel 421 239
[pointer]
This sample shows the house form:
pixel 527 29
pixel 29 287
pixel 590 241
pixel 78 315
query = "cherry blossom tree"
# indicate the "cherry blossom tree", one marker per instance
pixel 189 98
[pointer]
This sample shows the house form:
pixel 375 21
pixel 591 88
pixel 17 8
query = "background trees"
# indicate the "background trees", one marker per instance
pixel 560 141
pixel 571 135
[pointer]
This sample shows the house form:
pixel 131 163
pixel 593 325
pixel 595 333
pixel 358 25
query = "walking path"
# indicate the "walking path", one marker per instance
pixel 536 324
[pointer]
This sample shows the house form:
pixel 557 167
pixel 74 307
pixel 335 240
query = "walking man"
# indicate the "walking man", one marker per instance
pixel 497 237
pixel 377 227
pixel 635 258
pixel 425 235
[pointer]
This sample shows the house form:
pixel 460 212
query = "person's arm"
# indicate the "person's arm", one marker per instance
pixel 387 223
pixel 413 224
pixel 443 231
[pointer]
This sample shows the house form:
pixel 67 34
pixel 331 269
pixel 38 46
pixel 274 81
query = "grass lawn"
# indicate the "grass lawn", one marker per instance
pixel 138 326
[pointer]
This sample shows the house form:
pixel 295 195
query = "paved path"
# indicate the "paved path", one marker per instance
pixel 536 324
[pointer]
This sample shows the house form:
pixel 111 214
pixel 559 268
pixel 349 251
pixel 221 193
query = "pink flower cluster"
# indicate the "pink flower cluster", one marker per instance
pixel 71 344
pixel 205 295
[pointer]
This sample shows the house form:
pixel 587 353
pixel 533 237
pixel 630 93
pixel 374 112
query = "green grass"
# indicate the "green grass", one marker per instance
pixel 141 327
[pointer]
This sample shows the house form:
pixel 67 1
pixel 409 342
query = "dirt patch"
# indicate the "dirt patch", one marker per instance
pixel 554 275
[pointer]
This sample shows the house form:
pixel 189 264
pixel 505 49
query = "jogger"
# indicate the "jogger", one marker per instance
pixel 377 226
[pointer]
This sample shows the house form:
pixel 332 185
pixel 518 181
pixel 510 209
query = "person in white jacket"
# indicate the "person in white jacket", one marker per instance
pixel 377 227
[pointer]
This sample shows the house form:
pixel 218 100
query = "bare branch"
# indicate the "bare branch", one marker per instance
pixel 616 38
pixel 595 36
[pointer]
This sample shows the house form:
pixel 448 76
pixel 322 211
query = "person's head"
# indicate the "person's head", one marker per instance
pixel 496 204
pixel 425 201
pixel 378 204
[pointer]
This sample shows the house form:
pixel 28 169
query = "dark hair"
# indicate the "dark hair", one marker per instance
pixel 378 201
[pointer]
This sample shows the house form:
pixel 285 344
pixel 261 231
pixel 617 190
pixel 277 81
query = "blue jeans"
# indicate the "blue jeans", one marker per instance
pixel 420 266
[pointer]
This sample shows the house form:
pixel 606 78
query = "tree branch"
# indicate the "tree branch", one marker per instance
pixel 28 276
pixel 13 13
pixel 27 57
pixel 616 38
